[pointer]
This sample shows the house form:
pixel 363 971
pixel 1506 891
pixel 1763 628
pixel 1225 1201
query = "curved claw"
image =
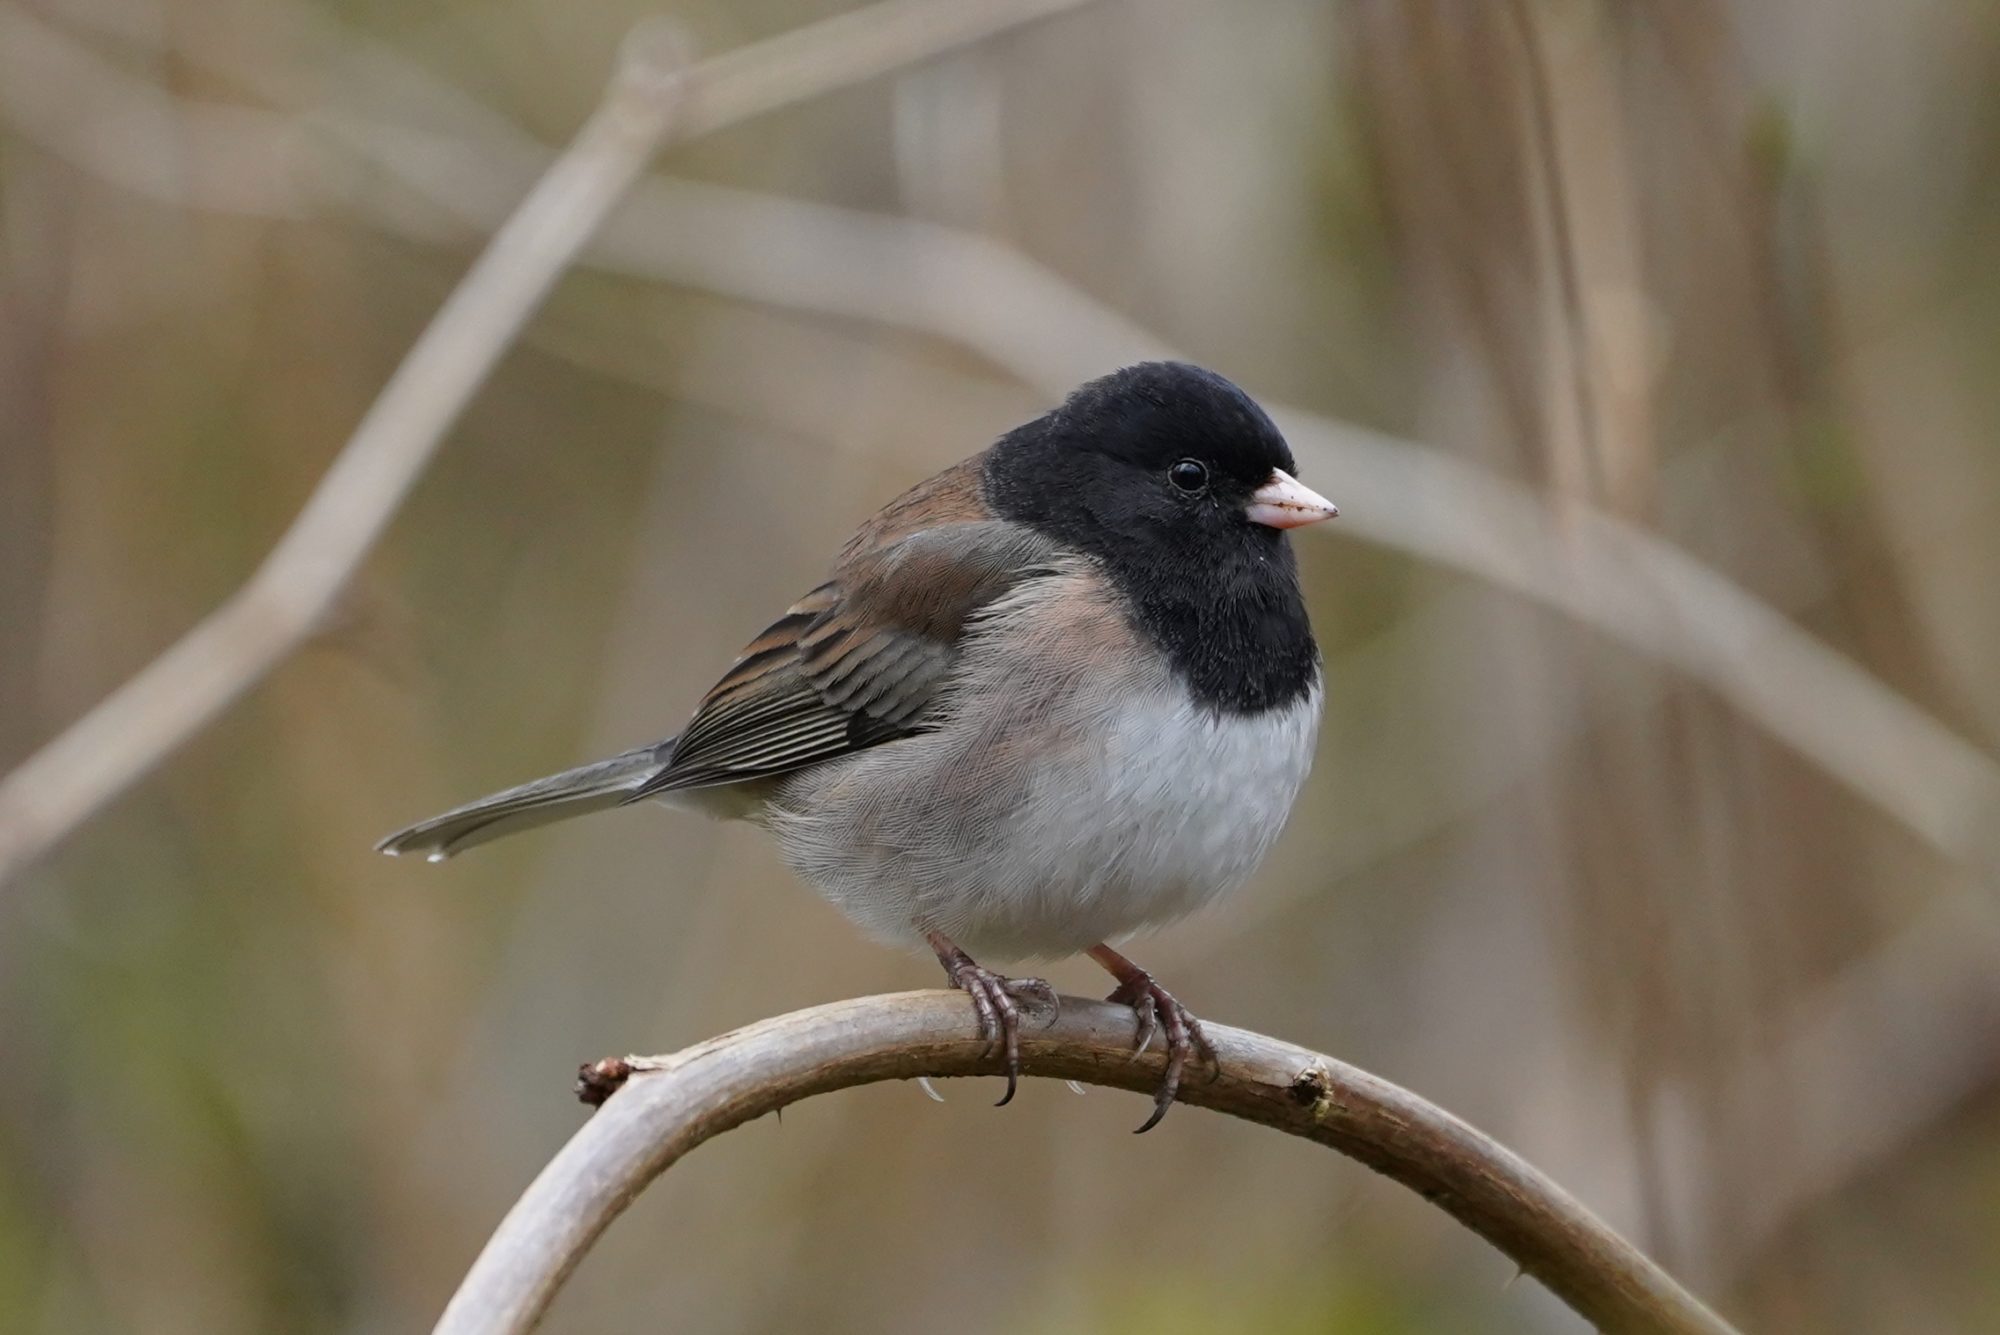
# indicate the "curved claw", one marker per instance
pixel 1156 1010
pixel 1010 1032
pixel 996 1001
pixel 1148 1013
pixel 1161 1102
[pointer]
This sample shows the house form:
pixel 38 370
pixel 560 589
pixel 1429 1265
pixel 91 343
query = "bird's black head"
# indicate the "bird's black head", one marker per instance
pixel 1158 456
pixel 1181 486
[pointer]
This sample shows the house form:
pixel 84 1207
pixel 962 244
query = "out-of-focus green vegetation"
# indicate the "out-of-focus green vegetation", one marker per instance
pixel 259 1079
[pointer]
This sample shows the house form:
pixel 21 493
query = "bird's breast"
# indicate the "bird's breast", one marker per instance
pixel 1167 803
pixel 1073 789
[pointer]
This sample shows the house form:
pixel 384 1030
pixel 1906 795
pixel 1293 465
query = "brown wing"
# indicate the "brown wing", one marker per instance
pixel 859 661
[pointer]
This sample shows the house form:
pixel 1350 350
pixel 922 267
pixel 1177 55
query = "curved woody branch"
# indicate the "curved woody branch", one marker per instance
pixel 670 1105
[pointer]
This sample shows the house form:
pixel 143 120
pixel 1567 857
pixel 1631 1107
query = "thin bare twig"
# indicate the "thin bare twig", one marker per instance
pixel 277 610
pixel 675 1103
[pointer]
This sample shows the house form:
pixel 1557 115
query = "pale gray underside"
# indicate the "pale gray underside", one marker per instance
pixel 1072 793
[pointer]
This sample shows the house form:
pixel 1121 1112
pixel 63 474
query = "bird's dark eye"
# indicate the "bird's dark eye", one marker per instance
pixel 1189 475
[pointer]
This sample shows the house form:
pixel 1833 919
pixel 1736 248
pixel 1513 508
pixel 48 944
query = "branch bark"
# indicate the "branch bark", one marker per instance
pixel 672 1104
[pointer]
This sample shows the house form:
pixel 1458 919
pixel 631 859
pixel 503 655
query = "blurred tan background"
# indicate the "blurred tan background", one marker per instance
pixel 1723 270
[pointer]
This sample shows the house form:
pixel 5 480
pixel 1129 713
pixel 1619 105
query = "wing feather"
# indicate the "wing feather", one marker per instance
pixel 859 661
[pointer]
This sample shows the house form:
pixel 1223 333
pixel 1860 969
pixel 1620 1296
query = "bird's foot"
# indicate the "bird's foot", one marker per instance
pixel 1157 1011
pixel 997 1001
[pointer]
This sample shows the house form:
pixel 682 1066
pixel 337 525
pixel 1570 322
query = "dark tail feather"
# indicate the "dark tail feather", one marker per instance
pixel 557 797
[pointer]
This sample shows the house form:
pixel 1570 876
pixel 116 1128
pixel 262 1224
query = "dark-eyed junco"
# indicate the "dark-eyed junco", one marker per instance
pixel 1059 693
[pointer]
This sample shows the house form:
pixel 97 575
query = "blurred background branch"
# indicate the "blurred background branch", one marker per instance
pixel 277 609
pixel 125 737
pixel 1611 575
pixel 670 1105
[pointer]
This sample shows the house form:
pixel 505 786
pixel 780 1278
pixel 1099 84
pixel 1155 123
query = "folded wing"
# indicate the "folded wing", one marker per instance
pixel 861 660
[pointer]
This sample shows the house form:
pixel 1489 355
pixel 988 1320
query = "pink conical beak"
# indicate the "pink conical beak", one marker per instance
pixel 1286 502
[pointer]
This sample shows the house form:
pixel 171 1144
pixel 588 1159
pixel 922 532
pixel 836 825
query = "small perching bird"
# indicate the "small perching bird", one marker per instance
pixel 1062 692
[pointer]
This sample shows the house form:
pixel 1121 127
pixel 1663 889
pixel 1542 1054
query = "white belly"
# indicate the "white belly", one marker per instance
pixel 1179 810
pixel 1137 808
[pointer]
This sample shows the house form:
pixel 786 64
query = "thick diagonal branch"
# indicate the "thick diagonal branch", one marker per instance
pixel 672 1104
